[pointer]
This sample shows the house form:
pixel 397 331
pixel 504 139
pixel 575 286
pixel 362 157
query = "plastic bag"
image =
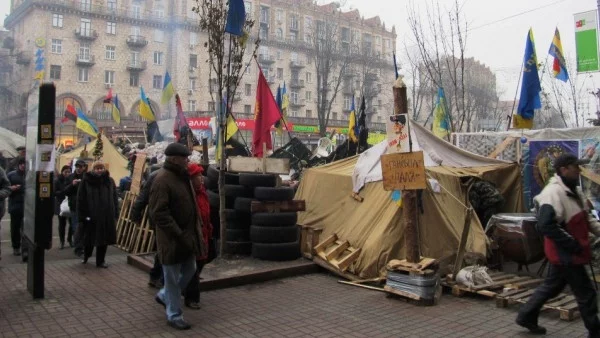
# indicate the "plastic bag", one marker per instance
pixel 65 211
pixel 473 275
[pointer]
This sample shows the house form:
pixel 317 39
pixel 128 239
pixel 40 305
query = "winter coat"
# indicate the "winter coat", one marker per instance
pixel 16 202
pixel 174 214
pixel 137 211
pixel 60 184
pixel 564 220
pixel 4 191
pixel 71 190
pixel 207 228
pixel 97 209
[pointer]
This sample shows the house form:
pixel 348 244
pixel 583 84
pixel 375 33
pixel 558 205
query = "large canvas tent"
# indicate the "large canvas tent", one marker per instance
pixel 9 141
pixel 376 224
pixel 117 163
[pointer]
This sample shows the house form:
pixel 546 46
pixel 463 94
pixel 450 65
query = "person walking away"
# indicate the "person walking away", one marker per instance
pixel 16 208
pixel 192 291
pixel 97 209
pixel 174 214
pixel 565 222
pixel 60 183
pixel 137 213
pixel 5 191
pixel 71 192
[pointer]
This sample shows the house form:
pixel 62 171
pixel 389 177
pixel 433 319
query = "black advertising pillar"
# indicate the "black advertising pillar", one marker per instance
pixel 39 196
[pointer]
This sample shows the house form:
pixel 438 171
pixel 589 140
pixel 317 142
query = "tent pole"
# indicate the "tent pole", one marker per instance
pixel 409 197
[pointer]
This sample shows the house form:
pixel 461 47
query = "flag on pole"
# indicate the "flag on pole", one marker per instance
pixel 266 113
pixel 168 90
pixel 116 113
pixel 236 18
pixel 285 101
pixel 86 125
pixel 144 107
pixel 232 127
pixel 180 127
pixel 279 100
pixel 441 121
pixel 559 67
pixel 529 100
pixel 109 96
pixel 70 114
pixel 352 123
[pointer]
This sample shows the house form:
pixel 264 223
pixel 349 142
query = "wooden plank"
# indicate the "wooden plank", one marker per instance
pixel 495 273
pixel 401 293
pixel 369 287
pixel 138 172
pixel 335 251
pixel 526 284
pixel 277 206
pixel 255 165
pixel 502 276
pixel 569 312
pixel 320 248
pixel 345 262
pixel 498 284
pixel 502 146
pixel 324 264
pixel 463 243
pixel 557 304
pixel 511 293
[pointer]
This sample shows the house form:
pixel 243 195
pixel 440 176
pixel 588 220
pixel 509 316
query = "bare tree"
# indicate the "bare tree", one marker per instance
pixel 226 61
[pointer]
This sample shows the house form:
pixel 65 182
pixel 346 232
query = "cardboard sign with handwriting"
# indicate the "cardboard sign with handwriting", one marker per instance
pixel 138 172
pixel 403 171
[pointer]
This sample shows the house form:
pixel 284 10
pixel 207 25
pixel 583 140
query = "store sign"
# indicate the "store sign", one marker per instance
pixel 201 123
pixel 315 129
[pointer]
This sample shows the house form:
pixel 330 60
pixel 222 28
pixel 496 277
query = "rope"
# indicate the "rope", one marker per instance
pixel 449 193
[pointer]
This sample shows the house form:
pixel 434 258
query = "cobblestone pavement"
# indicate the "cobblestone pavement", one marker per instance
pixel 83 301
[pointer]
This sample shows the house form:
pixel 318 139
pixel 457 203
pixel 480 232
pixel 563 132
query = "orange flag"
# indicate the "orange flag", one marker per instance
pixel 266 113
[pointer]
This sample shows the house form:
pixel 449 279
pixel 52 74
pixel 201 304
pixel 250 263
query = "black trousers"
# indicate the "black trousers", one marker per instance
pixel 16 228
pixel 62 224
pixel 100 253
pixel 558 277
pixel 192 291
pixel 156 272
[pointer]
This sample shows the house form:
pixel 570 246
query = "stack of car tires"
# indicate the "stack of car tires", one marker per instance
pixel 274 236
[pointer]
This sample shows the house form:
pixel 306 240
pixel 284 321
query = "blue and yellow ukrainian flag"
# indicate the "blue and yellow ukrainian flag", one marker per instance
pixel 441 123
pixel 144 108
pixel 86 125
pixel 168 90
pixel 559 67
pixel 116 113
pixel 352 123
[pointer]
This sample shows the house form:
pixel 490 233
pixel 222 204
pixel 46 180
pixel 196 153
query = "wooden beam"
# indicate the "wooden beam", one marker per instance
pixel 345 262
pixel 502 146
pixel 335 251
pixel 463 243
pixel 320 248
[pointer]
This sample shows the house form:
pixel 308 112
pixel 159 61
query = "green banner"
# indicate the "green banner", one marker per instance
pixel 586 41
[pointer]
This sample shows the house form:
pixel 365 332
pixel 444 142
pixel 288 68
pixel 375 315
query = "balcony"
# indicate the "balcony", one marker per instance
pixel 265 58
pixel 86 34
pixel 136 66
pixel 296 64
pixel 85 60
pixel 297 83
pixel 23 58
pixel 298 103
pixel 264 19
pixel 136 41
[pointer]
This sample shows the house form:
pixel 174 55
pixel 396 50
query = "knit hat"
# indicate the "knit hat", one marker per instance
pixel 177 149
pixel 194 169
pixel 97 164
pixel 65 167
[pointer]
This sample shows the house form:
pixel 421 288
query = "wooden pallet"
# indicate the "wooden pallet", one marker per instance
pixel 134 237
pixel 565 304
pixel 426 267
pixel 337 253
pixel 500 281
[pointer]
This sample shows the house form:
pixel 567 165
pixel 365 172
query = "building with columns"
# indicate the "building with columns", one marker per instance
pixel 91 46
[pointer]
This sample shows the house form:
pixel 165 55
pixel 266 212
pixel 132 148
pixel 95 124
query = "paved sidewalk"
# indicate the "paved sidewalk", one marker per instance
pixel 83 301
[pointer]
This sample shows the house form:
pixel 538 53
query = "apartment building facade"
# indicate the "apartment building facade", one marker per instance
pixel 89 47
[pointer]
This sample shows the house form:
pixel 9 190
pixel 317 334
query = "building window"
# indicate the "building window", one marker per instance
pixel 84 51
pixel 112 5
pixel 308 113
pixel 211 106
pixel 85 5
pixel 109 76
pixel 134 57
pixel 192 84
pixel 347 102
pixel 280 73
pixel 57 20
pixel 157 82
pixel 308 95
pixel 85 27
pixel 248 89
pixel 193 61
pixel 136 30
pixel 56 46
pixel 134 79
pixel 334 114
pixel 136 11
pixel 279 55
pixel 159 12
pixel 55 72
pixel 192 105
pixel 247 109
pixel 294 113
pixel 294 57
pixel 83 75
pixel 110 52
pixel 248 8
pixel 111 28
pixel 159 35
pixel 279 34
pixel 293 36
pixel 193 38
pixel 294 97
pixel 308 77
pixel 263 33
pixel 158 58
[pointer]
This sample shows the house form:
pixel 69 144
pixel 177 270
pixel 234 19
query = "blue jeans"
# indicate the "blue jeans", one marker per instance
pixel 177 277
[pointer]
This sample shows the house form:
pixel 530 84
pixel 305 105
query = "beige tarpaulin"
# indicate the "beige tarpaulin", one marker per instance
pixel 375 225
pixel 117 163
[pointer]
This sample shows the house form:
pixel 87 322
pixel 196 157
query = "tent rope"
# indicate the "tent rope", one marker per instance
pixel 449 193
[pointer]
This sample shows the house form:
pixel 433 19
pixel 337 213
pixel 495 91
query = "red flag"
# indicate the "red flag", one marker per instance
pixel 180 120
pixel 266 113
pixel 70 114
pixel 108 98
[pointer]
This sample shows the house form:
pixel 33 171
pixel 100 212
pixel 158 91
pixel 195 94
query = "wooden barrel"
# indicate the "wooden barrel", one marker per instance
pixel 517 238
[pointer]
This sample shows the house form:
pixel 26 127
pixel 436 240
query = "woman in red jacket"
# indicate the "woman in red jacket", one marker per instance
pixel 192 292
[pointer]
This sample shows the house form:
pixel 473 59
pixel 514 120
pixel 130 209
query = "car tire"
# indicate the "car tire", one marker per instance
pixel 276 251
pixel 258 180
pixel 284 234
pixel 278 219
pixel 274 194
pixel 239 248
pixel 243 204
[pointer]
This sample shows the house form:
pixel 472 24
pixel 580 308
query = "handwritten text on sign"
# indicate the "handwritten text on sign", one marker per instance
pixel 403 171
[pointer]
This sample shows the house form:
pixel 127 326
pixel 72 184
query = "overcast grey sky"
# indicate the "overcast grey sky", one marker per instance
pixel 498 29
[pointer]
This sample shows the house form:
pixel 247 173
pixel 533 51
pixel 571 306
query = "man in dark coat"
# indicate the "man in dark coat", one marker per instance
pixel 174 213
pixel 98 211
pixel 72 185
pixel 16 207
pixel 15 161
pixel 137 211
pixel 60 183
pixel 4 193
